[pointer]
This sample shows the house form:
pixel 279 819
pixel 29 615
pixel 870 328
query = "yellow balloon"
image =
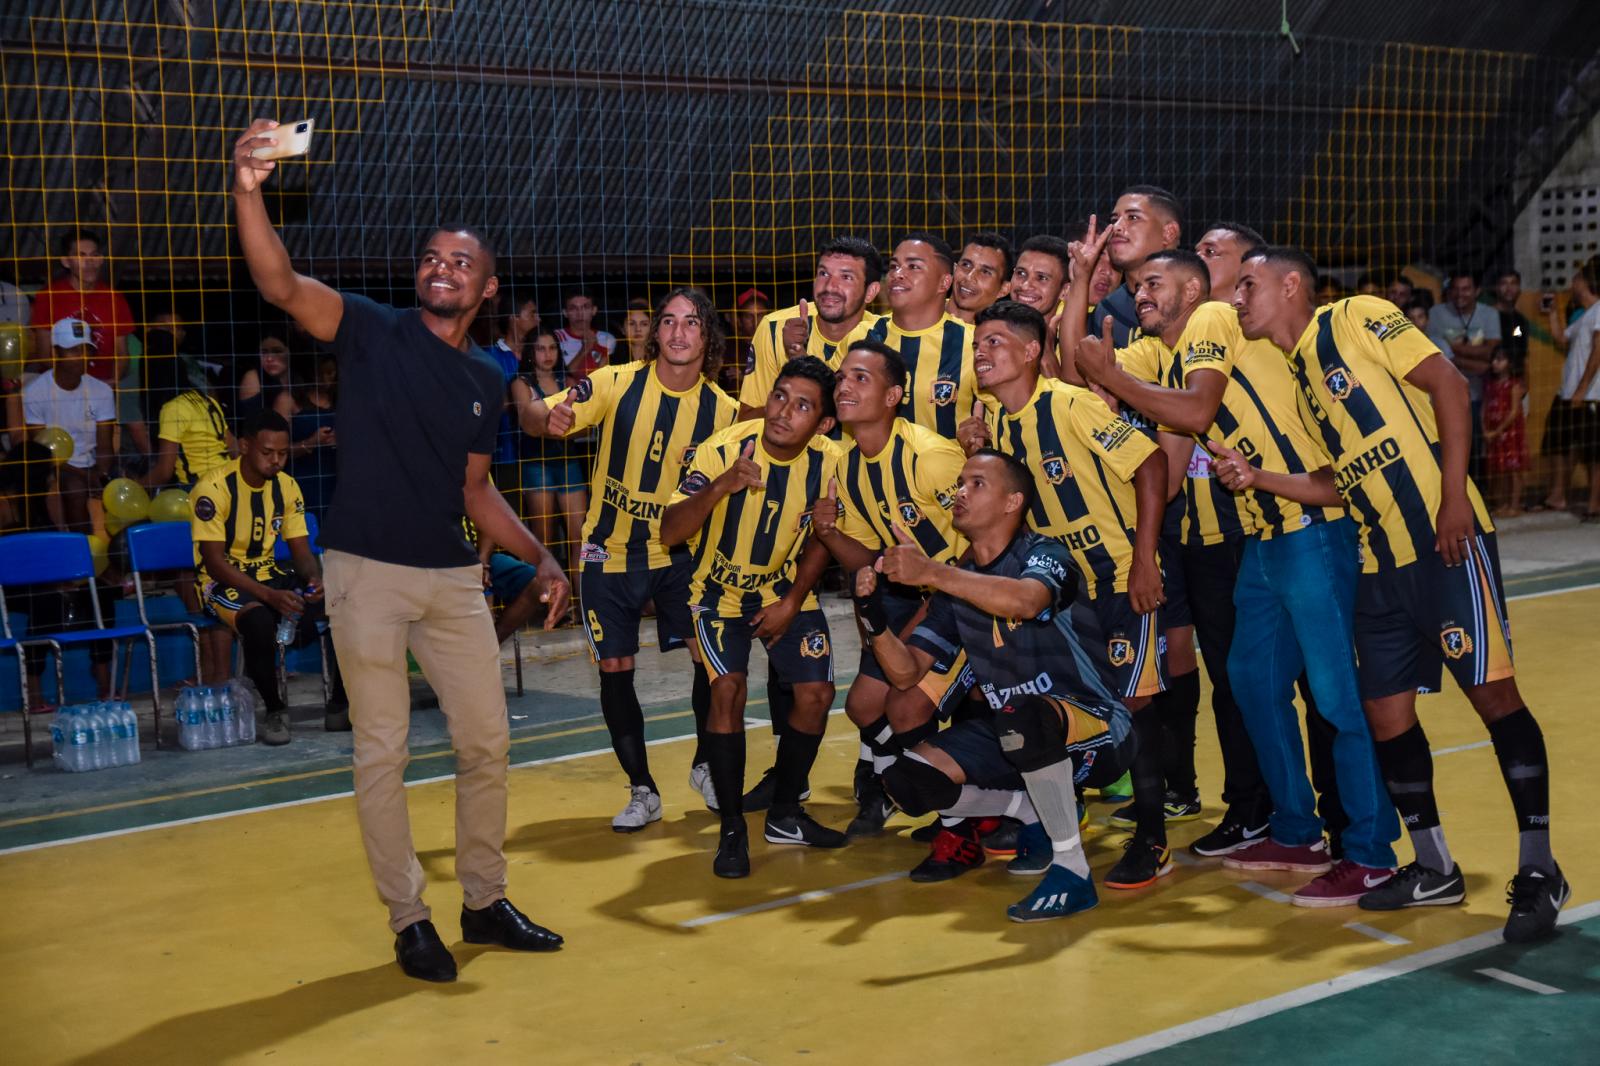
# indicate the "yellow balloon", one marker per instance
pixel 58 440
pixel 126 499
pixel 114 525
pixel 170 505
pixel 98 549
pixel 13 349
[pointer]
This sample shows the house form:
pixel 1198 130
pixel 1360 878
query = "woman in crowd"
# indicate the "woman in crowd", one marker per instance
pixel 261 385
pixel 312 456
pixel 553 494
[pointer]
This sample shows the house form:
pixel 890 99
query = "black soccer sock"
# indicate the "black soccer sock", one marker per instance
pixel 1179 707
pixel 619 703
pixel 725 756
pixel 258 638
pixel 877 738
pixel 780 701
pixel 1149 786
pixel 797 752
pixel 700 700
pixel 1407 767
pixel 1519 745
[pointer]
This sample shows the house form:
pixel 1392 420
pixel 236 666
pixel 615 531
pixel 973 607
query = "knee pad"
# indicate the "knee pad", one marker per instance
pixel 918 787
pixel 1031 732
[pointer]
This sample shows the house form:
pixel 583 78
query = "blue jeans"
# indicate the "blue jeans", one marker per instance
pixel 1295 602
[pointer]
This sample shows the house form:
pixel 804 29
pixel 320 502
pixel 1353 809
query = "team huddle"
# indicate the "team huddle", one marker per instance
pixel 1047 474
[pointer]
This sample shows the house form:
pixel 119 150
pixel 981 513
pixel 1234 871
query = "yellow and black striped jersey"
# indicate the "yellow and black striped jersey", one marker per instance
pixel 769 356
pixel 1376 429
pixel 197 424
pixel 941 385
pixel 745 556
pixel 648 438
pixel 910 483
pixel 1259 415
pixel 246 521
pixel 1082 457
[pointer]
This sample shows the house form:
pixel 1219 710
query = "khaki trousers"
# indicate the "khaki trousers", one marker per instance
pixel 375 612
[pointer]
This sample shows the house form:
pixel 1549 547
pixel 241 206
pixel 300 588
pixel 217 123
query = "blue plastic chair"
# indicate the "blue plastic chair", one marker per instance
pixel 164 546
pixel 48 559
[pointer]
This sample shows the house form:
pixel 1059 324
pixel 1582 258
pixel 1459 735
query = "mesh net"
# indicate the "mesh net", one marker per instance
pixel 616 149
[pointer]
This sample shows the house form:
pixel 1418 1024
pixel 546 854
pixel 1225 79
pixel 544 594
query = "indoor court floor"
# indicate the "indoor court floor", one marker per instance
pixel 238 924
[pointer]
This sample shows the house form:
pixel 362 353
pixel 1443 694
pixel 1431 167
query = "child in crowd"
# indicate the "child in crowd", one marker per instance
pixel 1504 437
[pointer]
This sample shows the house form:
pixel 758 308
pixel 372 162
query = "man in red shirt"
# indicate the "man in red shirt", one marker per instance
pixel 80 293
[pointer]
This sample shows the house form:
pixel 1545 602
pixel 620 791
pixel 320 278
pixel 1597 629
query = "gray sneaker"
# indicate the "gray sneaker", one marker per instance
pixel 644 807
pixel 274 728
pixel 700 781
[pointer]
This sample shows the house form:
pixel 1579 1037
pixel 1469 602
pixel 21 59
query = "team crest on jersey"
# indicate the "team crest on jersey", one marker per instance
pixel 814 645
pixel 688 454
pixel 593 553
pixel 694 483
pixel 1120 651
pixel 910 515
pixel 277 524
pixel 205 508
pixel 1056 469
pixel 944 392
pixel 1340 382
pixel 1455 642
pixel 477 408
pixel 582 391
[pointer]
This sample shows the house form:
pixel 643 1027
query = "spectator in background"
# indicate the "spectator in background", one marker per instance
pixel 67 397
pixel 750 307
pixel 1513 325
pixel 81 293
pixel 1417 312
pixel 313 459
pixel 162 343
pixel 193 438
pixel 554 496
pixel 519 322
pixel 1401 291
pixel 27 483
pixel 1330 290
pixel 14 311
pixel 261 385
pixel 1504 436
pixel 1367 285
pixel 1572 432
pixel 635 331
pixel 583 348
pixel 1467 332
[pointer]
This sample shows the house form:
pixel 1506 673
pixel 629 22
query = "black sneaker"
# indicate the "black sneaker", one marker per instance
pixel 1003 840
pixel 800 828
pixel 733 853
pixel 876 807
pixel 760 797
pixel 1174 808
pixel 864 776
pixel 1142 862
pixel 927 834
pixel 1536 898
pixel 955 851
pixel 1416 885
pixel 1229 837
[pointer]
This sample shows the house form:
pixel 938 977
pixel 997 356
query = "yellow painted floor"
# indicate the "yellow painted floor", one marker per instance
pixel 257 938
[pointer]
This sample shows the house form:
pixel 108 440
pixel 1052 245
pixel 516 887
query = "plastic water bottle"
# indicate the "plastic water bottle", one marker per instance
pixel 79 739
pixel 128 732
pixel 244 709
pixel 113 753
pixel 228 716
pixel 286 628
pixel 58 737
pixel 211 730
pixel 187 738
pixel 99 738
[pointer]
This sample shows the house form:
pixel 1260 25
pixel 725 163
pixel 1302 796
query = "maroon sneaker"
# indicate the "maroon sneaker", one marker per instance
pixel 954 852
pixel 1270 855
pixel 1342 886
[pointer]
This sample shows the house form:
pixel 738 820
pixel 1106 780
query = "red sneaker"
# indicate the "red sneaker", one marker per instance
pixel 1270 855
pixel 1342 886
pixel 955 851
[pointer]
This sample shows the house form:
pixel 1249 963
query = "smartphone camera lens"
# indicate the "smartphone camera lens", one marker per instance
pixel 302 127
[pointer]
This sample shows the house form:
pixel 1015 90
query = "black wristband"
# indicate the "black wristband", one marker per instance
pixel 874 619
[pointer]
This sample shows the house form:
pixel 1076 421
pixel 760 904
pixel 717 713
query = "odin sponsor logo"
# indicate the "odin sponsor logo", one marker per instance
pixel 1204 352
pixel 1037 686
pixel 1390 325
pixel 1115 435
pixel 1374 458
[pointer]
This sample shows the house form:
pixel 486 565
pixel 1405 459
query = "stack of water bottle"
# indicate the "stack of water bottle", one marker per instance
pixel 216 716
pixel 95 736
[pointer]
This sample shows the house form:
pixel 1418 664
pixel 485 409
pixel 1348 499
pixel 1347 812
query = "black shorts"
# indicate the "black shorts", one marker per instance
pixel 1175 612
pixel 1572 430
pixel 1135 645
pixel 803 655
pixel 974 745
pixel 613 606
pixel 1412 620
pixel 945 685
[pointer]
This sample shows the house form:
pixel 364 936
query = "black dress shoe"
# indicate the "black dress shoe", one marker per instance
pixel 501 923
pixel 733 853
pixel 421 954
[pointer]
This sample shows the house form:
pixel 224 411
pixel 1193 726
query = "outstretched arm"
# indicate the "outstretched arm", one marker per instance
pixel 500 524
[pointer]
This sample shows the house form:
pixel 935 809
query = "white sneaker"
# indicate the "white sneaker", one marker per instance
pixel 700 781
pixel 644 807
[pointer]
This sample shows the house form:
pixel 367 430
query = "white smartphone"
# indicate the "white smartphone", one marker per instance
pixel 294 138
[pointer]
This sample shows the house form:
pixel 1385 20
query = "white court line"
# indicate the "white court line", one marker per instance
pixel 1377 934
pixel 1554 592
pixel 804 897
pixel 1520 982
pixel 1262 890
pixel 1460 747
pixel 1299 997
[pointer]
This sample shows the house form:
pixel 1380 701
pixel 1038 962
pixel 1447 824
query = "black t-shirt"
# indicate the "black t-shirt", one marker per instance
pixel 1040 655
pixel 410 410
